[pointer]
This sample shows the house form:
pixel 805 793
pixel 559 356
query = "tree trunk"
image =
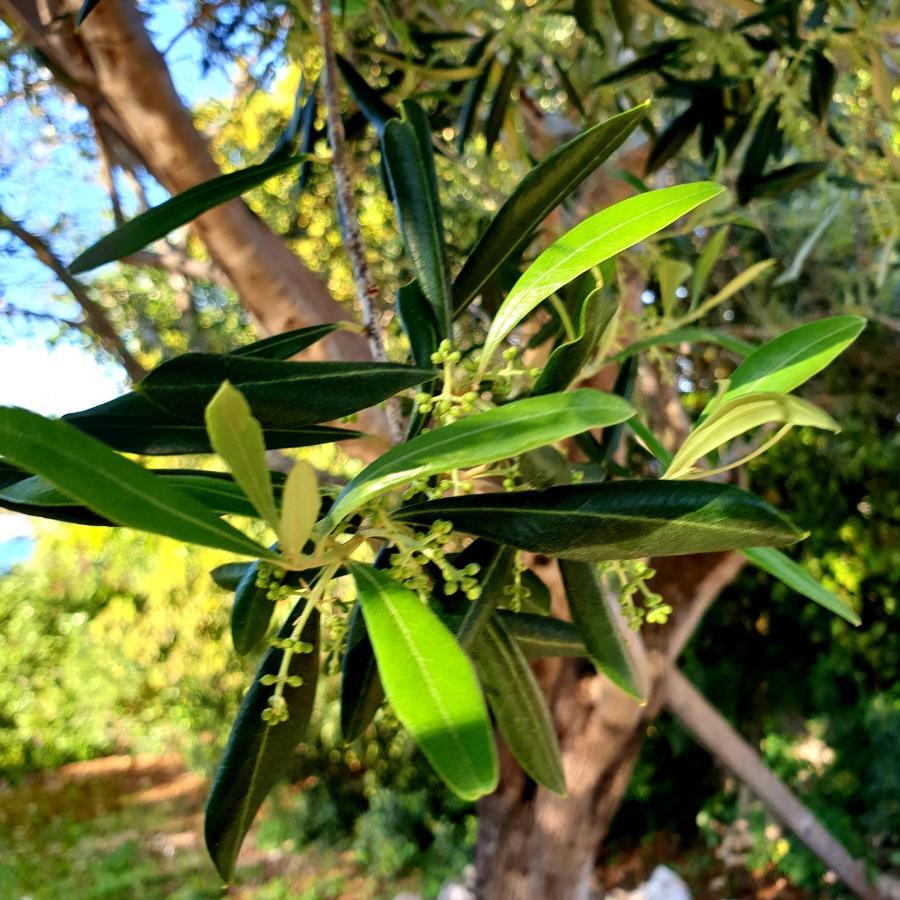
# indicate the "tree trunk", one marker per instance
pixel 112 67
pixel 533 844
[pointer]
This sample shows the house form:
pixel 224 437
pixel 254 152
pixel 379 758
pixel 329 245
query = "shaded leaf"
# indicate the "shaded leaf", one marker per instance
pixel 686 336
pixel 500 101
pixel 417 319
pixel 406 150
pixel 567 360
pixel 112 486
pixel 615 520
pixel 782 181
pixel 160 220
pixel 470 105
pixel 821 84
pixel 369 100
pixel 674 137
pixel 535 197
pixel 259 754
pixel 518 705
pixel 282 394
pixel 288 344
pixel 540 637
pixel 251 613
pixel 600 626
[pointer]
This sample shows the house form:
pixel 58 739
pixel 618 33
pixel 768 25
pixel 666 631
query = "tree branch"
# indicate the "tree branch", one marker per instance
pixel 367 292
pixel 711 729
pixel 94 314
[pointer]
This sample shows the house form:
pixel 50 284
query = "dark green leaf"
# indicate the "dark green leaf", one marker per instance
pixel 284 346
pixel 281 394
pixel 535 197
pixel 470 105
pixel 251 613
pixel 86 9
pixel 657 56
pixel 500 101
pixel 518 705
pixel 674 137
pixel 259 754
pixel 406 150
pixel 418 323
pixel 110 485
pixel 615 520
pixel 686 336
pixel 133 424
pixel 782 181
pixel 600 626
pixel 179 210
pixel 821 84
pixel 429 683
pixel 583 10
pixel 497 573
pixel 542 636
pixel 228 576
pixel 567 360
pixel 367 98
pixel 361 690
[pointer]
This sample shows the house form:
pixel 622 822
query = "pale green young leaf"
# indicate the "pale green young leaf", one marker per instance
pixel 672 273
pixel 430 683
pixel 483 438
pixel 590 243
pixel 300 504
pixel 112 486
pixel 238 438
pixel 735 417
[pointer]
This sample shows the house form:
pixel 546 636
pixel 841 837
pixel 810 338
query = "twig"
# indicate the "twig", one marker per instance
pixel 366 290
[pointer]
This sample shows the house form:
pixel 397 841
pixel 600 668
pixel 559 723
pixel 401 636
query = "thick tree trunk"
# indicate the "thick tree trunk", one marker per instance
pixel 113 68
pixel 533 844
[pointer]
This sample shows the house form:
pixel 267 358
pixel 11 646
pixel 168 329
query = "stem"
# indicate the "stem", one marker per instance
pixel 367 291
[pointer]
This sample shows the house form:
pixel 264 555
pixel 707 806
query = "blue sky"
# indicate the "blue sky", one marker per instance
pixel 46 182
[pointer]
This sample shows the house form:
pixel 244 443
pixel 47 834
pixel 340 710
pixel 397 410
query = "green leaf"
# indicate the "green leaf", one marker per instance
pixel 237 437
pixel 417 319
pixel 497 567
pixel 672 273
pixel 35 496
pixel 539 637
pixel 797 578
pixel 500 100
pixel 788 178
pixel 686 336
pixel 733 418
pixel 133 424
pixel 112 486
pixel 179 210
pixel 407 153
pixel 600 626
pixel 518 705
pixel 300 505
pixel 483 438
pixel 370 101
pixel 281 394
pixel 361 690
pixel 470 105
pixel 259 754
pixel 709 256
pixel 657 55
pixel 821 84
pixel 614 520
pixel 284 346
pixel 783 364
pixel 228 576
pixel 588 244
pixel 674 137
pixel 536 196
pixel 429 683
pixel 567 360
pixel 251 613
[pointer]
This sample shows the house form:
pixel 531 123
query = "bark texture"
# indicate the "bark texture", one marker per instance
pixel 533 844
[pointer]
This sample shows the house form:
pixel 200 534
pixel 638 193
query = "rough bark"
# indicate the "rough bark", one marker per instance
pixel 113 69
pixel 533 844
